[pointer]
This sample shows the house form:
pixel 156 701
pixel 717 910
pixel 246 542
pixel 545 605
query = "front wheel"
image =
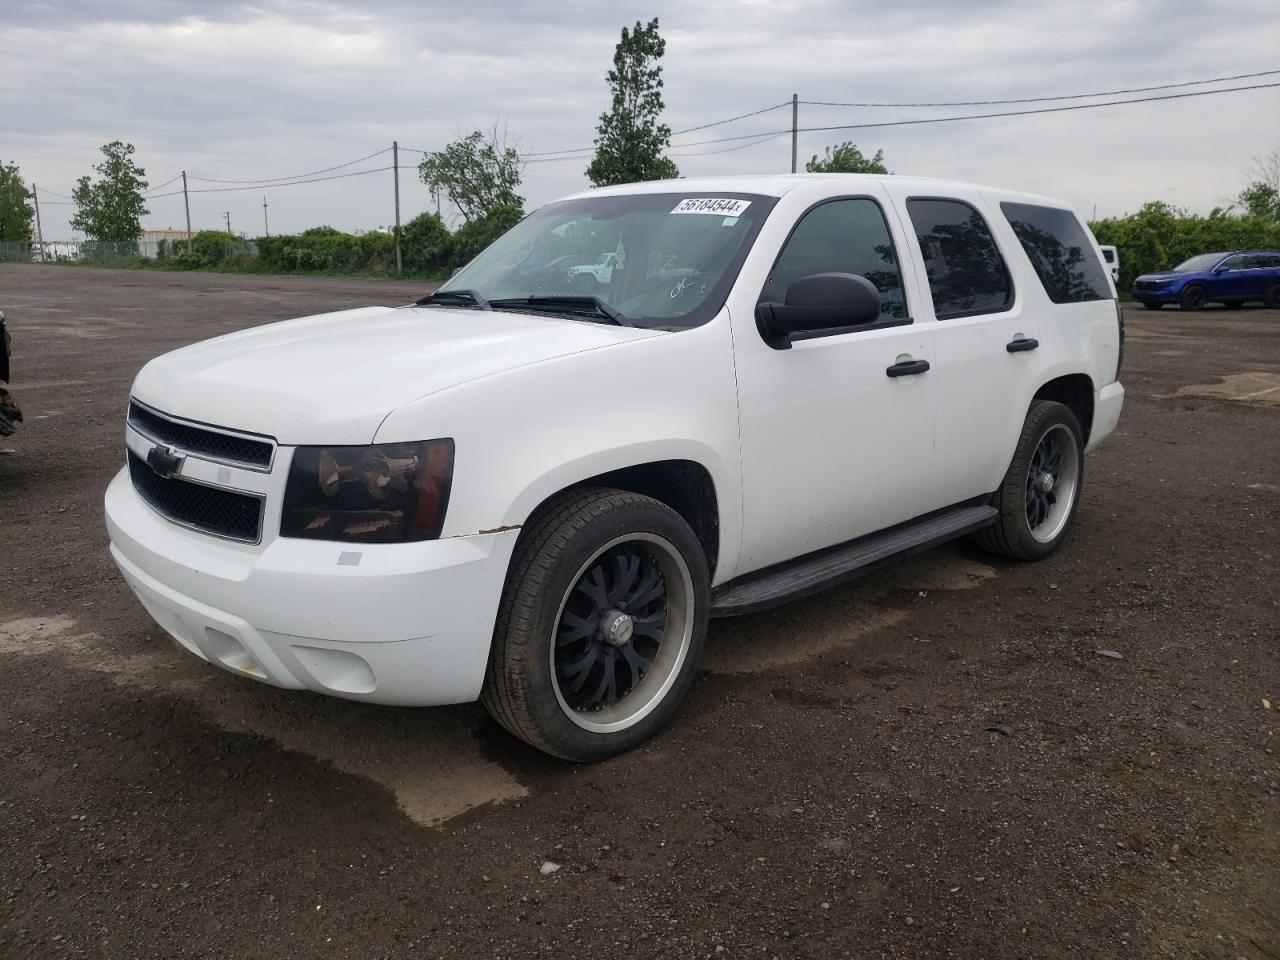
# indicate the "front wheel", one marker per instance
pixel 601 624
pixel 1038 497
pixel 1193 298
pixel 1272 298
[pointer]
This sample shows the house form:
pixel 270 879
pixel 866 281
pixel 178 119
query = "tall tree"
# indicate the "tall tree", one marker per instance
pixel 846 158
pixel 15 212
pixel 1261 198
pixel 480 173
pixel 112 207
pixel 630 138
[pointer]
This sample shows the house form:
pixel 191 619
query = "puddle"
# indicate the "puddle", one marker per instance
pixel 428 758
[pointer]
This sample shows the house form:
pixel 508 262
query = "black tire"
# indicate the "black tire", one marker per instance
pixel 1012 535
pixel 1272 299
pixel 1194 297
pixel 555 552
pixel 1152 306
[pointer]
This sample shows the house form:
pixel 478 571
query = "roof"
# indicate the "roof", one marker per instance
pixel 777 185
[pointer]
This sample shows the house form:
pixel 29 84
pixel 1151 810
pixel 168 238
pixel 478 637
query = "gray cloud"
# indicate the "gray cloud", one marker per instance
pixel 236 91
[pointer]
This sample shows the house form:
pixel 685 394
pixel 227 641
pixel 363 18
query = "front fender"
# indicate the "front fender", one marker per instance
pixel 525 434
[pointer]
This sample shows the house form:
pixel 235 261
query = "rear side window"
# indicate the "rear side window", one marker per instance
pixel 1109 256
pixel 841 236
pixel 967 275
pixel 1059 251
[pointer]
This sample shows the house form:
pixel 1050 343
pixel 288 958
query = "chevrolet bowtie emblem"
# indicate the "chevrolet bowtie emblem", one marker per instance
pixel 164 461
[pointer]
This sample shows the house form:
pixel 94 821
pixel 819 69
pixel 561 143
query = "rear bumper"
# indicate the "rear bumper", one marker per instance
pixel 1106 412
pixel 405 624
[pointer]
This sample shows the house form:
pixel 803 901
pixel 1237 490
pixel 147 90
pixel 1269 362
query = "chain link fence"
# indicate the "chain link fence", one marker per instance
pixel 117 251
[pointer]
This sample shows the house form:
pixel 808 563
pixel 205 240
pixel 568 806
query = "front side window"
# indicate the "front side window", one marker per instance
pixel 659 259
pixel 841 236
pixel 1059 252
pixel 967 275
pixel 1236 263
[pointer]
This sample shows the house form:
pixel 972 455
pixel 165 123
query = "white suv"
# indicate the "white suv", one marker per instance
pixel 536 497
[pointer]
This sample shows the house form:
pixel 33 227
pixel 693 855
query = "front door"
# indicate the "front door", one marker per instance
pixel 834 444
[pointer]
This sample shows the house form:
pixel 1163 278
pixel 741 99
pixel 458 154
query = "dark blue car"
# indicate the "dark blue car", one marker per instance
pixel 1227 278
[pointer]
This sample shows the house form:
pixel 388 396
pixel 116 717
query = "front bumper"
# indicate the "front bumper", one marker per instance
pixel 407 624
pixel 1162 295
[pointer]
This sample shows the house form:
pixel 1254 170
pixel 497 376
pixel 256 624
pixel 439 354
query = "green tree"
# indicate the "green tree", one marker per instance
pixel 630 139
pixel 426 242
pixel 479 173
pixel 15 212
pixel 112 208
pixel 847 158
pixel 1261 198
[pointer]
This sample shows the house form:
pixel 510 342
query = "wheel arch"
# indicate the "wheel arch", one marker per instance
pixel 683 483
pixel 1074 391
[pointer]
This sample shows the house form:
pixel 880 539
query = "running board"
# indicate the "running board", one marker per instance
pixel 837 565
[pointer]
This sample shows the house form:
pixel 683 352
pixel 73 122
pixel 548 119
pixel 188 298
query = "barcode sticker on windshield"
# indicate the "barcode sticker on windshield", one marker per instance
pixel 722 206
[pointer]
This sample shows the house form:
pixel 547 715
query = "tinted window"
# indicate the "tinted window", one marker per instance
pixel 1236 263
pixel 1109 256
pixel 966 272
pixel 1059 251
pixel 1269 261
pixel 841 236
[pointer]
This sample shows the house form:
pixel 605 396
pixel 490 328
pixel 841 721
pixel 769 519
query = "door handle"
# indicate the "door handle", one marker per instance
pixel 907 368
pixel 1022 344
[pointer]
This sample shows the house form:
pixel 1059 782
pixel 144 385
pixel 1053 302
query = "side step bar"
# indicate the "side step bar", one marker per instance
pixel 836 565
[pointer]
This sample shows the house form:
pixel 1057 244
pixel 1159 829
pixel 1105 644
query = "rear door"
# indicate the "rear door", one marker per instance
pixel 984 341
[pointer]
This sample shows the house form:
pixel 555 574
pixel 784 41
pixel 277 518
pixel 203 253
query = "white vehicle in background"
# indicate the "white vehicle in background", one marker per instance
pixel 601 270
pixel 537 497
pixel 1112 257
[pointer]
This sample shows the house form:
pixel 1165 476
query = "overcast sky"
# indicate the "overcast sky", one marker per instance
pixel 238 91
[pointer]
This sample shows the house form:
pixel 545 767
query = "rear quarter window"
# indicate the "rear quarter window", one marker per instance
pixel 1059 251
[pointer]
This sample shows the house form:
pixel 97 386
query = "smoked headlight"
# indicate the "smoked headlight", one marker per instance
pixel 385 493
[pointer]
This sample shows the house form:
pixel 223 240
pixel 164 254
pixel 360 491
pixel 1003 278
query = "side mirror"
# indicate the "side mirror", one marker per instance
pixel 816 303
pixel 1218 270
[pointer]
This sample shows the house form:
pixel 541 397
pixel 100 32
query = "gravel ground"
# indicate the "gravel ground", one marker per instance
pixel 828 790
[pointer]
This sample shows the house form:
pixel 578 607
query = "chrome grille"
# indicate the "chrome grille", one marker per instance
pixel 208 442
pixel 224 513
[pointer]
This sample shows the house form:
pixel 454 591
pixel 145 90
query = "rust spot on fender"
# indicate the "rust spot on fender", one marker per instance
pixel 510 526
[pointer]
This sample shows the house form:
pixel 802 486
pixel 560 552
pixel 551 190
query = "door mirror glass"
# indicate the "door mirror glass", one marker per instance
pixel 820 302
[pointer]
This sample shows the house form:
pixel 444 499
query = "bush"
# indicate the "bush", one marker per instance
pixel 425 243
pixel 1159 237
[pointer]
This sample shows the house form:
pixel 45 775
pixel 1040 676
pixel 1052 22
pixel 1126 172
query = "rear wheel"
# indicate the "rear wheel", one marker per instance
pixel 601 625
pixel 1038 497
pixel 1193 298
pixel 1273 297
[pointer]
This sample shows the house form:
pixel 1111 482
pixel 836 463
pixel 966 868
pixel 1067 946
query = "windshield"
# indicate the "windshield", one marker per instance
pixel 1197 264
pixel 659 259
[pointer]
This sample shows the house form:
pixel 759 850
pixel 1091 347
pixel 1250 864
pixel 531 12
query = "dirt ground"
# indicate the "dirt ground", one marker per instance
pixel 828 789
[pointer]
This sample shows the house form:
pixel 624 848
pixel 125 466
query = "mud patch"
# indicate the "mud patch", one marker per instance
pixel 1256 388
pixel 430 759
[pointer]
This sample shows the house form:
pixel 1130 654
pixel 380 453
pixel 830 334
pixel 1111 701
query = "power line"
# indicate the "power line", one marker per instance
pixel 291 183
pixel 1068 96
pixel 1023 113
pixel 297 176
pixel 161 186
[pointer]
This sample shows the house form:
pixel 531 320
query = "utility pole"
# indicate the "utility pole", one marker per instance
pixel 227 215
pixel 186 203
pixel 265 228
pixel 395 167
pixel 795 128
pixel 39 231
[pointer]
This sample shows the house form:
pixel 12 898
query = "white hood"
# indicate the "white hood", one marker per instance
pixel 333 378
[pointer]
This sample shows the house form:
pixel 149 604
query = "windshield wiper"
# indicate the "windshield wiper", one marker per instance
pixel 564 303
pixel 453 298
